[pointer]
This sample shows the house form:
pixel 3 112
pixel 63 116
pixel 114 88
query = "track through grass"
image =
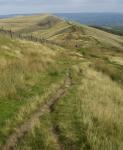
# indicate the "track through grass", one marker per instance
pixel 28 124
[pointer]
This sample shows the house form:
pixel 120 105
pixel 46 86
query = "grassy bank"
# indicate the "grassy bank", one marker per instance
pixel 29 74
pixel 88 117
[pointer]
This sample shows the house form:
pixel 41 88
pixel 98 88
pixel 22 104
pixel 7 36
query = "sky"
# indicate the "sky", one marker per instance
pixel 55 6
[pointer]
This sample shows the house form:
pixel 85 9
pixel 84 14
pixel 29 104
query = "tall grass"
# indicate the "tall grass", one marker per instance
pixel 115 72
pixel 40 137
pixel 12 81
pixel 27 72
pixel 90 116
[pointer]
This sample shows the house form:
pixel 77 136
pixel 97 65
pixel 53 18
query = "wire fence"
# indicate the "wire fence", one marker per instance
pixel 13 35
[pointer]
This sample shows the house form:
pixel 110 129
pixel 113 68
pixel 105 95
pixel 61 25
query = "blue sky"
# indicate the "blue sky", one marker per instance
pixel 51 6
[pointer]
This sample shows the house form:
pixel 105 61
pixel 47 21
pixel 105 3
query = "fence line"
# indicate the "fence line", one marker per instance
pixel 27 37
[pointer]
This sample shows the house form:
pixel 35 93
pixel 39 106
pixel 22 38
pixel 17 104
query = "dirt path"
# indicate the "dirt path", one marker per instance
pixel 34 118
pixel 55 133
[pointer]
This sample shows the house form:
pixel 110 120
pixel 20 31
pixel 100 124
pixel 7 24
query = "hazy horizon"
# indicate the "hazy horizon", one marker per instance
pixel 61 13
pixel 58 6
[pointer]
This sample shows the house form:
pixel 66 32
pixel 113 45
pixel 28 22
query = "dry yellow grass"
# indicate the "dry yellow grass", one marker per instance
pixel 93 113
pixel 117 60
pixel 51 32
pixel 58 30
pixel 102 104
pixel 90 115
pixel 22 60
pixel 104 37
pixel 27 71
pixel 19 23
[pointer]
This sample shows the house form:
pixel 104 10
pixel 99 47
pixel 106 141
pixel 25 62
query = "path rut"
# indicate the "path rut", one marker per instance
pixel 34 118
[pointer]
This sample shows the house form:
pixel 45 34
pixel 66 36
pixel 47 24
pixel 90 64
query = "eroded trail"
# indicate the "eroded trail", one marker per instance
pixel 34 118
pixel 55 133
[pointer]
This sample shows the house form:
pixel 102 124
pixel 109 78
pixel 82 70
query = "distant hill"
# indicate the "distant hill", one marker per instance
pixel 13 15
pixel 95 19
pixel 99 19
pixel 8 16
pixel 65 33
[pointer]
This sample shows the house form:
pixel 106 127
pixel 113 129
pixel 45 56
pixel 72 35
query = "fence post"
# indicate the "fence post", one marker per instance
pixel 11 33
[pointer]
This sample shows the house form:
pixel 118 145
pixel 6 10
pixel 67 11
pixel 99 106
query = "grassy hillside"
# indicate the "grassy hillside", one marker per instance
pixel 88 117
pixel 67 95
pixel 27 70
pixel 67 34
pixel 118 30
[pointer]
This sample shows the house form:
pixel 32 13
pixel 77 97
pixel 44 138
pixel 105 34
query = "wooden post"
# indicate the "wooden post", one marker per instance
pixel 11 33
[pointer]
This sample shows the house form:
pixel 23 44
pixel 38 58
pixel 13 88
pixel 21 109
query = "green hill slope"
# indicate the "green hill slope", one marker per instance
pixel 27 70
pixel 63 32
pixel 66 95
